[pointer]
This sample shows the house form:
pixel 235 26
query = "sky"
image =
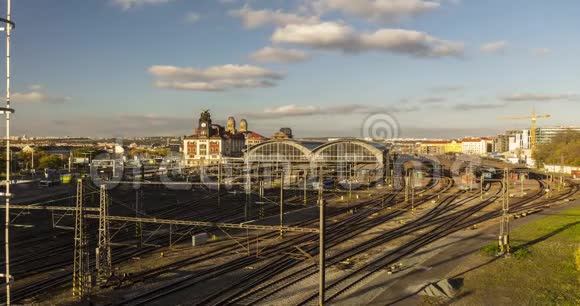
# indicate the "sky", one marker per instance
pixel 402 68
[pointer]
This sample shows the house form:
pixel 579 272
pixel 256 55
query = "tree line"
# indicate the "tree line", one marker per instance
pixel 564 149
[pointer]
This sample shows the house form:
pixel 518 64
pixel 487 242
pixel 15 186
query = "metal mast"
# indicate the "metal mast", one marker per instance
pixel 7 110
pixel 321 255
pixel 104 262
pixel 504 229
pixel 81 272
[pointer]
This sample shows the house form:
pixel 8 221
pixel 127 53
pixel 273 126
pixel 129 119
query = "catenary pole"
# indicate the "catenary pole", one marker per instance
pixel 8 155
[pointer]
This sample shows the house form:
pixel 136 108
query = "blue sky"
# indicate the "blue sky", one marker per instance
pixel 148 67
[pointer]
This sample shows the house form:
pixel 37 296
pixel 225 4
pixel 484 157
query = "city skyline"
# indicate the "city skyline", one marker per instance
pixel 148 67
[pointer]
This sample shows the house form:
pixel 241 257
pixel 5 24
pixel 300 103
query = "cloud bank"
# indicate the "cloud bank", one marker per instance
pixel 216 78
pixel 337 36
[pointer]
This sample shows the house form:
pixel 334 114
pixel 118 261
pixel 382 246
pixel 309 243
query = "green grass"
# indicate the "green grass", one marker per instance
pixel 490 250
pixel 542 270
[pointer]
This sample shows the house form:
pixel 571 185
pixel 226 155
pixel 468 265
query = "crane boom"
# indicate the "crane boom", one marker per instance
pixel 534 118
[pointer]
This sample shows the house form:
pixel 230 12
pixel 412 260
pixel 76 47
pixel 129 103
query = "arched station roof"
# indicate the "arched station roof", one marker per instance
pixel 350 150
pixel 342 150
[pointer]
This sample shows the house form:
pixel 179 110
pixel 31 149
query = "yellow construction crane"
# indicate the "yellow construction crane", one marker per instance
pixel 534 118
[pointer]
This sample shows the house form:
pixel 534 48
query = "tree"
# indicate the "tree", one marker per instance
pixel 25 158
pixel 83 151
pixel 50 161
pixel 564 148
pixel 160 152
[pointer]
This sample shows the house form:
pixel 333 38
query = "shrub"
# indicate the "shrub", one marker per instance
pixel 490 249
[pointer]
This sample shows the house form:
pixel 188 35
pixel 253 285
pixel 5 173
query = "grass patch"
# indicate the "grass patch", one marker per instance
pixel 490 250
pixel 577 257
pixel 544 268
pixel 521 253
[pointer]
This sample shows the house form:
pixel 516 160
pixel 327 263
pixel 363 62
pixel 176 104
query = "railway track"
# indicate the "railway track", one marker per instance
pixel 445 226
pixel 343 229
pixel 25 266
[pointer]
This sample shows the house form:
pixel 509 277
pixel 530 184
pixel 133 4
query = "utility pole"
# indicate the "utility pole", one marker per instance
pixel 281 203
pixel 349 181
pixel 305 176
pixel 504 229
pixel 248 192
pixel 103 251
pixel 481 179
pixel 138 205
pixel 321 264
pixel 7 111
pixel 412 187
pixel 81 269
pixel 219 182
pixel 261 195
pixel 470 177
pixel 522 177
pixel 406 186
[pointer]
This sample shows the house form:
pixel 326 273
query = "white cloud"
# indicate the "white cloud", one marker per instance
pixel 433 100
pixel 129 4
pixel 35 87
pixel 269 54
pixel 477 106
pixel 540 97
pixel 192 17
pixel 216 78
pixel 229 71
pixel 447 88
pixel 252 19
pixel 332 35
pixel 378 10
pixel 541 51
pixel 30 97
pixel 183 85
pixel 494 47
pixel 293 110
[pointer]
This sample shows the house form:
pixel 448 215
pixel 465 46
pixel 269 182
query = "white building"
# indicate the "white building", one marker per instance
pixel 520 140
pixel 476 146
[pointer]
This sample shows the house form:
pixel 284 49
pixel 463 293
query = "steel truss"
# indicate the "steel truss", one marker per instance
pixel 81 269
pixel 103 251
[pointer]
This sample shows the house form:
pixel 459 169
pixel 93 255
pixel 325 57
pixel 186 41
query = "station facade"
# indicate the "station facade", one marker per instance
pixel 211 143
